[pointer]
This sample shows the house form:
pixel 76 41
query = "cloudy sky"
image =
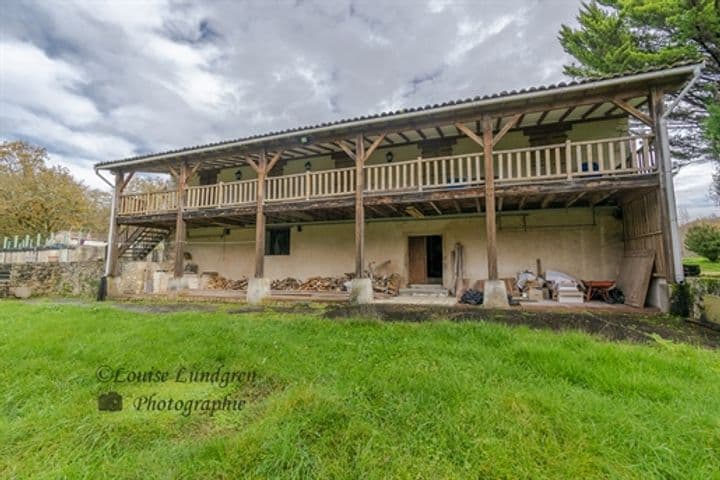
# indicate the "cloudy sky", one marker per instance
pixel 102 80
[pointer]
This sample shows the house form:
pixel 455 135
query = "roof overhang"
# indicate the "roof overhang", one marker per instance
pixel 596 94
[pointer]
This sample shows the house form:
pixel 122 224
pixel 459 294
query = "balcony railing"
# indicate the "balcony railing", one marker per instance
pixel 596 158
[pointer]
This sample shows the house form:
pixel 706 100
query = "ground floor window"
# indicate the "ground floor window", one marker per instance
pixel 277 241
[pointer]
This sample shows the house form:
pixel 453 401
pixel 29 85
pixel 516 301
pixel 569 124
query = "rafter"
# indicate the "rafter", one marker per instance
pixel 590 111
pixel 542 117
pixel 566 114
pixel 574 199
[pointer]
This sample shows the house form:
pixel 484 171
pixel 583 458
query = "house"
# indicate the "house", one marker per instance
pixel 553 173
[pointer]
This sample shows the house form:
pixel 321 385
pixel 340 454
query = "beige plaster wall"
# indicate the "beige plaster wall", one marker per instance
pixel 565 240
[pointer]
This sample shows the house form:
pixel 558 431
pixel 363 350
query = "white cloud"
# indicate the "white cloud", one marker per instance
pixel 35 81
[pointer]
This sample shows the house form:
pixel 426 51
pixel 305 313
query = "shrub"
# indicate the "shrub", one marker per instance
pixel 704 240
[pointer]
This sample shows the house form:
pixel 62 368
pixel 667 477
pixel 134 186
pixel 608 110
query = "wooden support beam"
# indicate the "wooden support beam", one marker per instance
pixel 435 207
pixel 359 156
pixel 440 132
pixel 523 199
pixel 574 199
pixel 500 203
pixel 126 181
pixel 602 196
pixel 180 227
pixel 252 164
pixel 373 146
pixel 456 204
pixel 113 251
pixel 633 111
pixel 506 128
pixel 422 135
pixel 665 195
pixel 546 201
pixel 260 217
pixel 347 150
pixel 273 161
pixel 491 234
pixel 478 207
pixel 475 138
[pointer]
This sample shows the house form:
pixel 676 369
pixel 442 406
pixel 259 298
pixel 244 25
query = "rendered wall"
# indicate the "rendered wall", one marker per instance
pixel 565 240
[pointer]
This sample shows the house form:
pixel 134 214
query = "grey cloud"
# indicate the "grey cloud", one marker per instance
pixel 168 74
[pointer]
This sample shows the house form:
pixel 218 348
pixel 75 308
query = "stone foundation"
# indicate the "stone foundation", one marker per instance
pixel 56 279
pixel 495 294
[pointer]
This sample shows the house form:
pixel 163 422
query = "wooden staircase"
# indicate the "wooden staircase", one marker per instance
pixel 137 242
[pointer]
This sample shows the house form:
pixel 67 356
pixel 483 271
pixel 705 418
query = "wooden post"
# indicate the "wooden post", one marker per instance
pixel 182 179
pixel 666 195
pixel 359 207
pixel 111 266
pixel 490 199
pixel 260 217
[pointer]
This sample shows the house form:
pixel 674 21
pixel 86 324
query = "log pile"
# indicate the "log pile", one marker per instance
pixel 285 284
pixel 324 284
pixel 387 284
pixel 219 282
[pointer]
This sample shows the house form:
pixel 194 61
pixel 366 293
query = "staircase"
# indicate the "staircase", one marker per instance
pixel 137 242
pixel 424 290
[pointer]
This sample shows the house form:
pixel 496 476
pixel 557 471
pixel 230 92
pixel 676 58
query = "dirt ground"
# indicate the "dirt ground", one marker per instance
pixel 631 327
pixel 616 326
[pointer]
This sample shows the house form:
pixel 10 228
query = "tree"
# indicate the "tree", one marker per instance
pixel 704 240
pixel 150 183
pixel 618 36
pixel 37 198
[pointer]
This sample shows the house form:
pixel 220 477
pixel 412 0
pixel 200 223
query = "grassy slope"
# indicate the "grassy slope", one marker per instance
pixel 353 399
pixel 706 266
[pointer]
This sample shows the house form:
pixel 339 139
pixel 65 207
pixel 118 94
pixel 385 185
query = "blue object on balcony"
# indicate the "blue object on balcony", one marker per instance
pixel 595 167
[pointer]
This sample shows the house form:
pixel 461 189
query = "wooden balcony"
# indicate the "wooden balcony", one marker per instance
pixel 606 158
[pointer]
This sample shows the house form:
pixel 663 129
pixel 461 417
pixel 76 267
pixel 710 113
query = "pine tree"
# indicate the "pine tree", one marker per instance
pixel 618 36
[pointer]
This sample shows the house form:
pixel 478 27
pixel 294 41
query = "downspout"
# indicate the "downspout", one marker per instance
pixel 668 177
pixel 111 229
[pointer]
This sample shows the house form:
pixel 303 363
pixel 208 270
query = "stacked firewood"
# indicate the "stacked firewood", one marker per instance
pixel 219 282
pixel 388 284
pixel 285 284
pixel 324 284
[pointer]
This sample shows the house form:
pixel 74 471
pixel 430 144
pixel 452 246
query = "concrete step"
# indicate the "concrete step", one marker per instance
pixel 418 290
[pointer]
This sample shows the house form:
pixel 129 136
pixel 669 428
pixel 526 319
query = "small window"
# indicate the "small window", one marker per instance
pixel 277 241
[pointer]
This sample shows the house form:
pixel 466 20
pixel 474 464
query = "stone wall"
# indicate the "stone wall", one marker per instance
pixel 65 279
pixel 83 253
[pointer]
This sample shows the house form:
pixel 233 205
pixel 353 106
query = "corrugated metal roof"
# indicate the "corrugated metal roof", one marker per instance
pixel 428 108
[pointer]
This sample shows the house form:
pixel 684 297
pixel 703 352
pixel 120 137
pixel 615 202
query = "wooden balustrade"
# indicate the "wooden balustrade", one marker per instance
pixel 156 202
pixel 605 157
pixel 237 193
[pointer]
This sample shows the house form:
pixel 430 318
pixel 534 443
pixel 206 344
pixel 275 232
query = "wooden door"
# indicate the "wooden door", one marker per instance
pixel 417 260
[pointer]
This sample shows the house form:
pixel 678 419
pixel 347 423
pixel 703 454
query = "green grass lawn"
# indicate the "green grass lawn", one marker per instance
pixel 350 399
pixel 706 266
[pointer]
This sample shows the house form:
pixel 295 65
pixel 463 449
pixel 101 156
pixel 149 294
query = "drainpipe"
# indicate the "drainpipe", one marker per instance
pixel 111 229
pixel 668 174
